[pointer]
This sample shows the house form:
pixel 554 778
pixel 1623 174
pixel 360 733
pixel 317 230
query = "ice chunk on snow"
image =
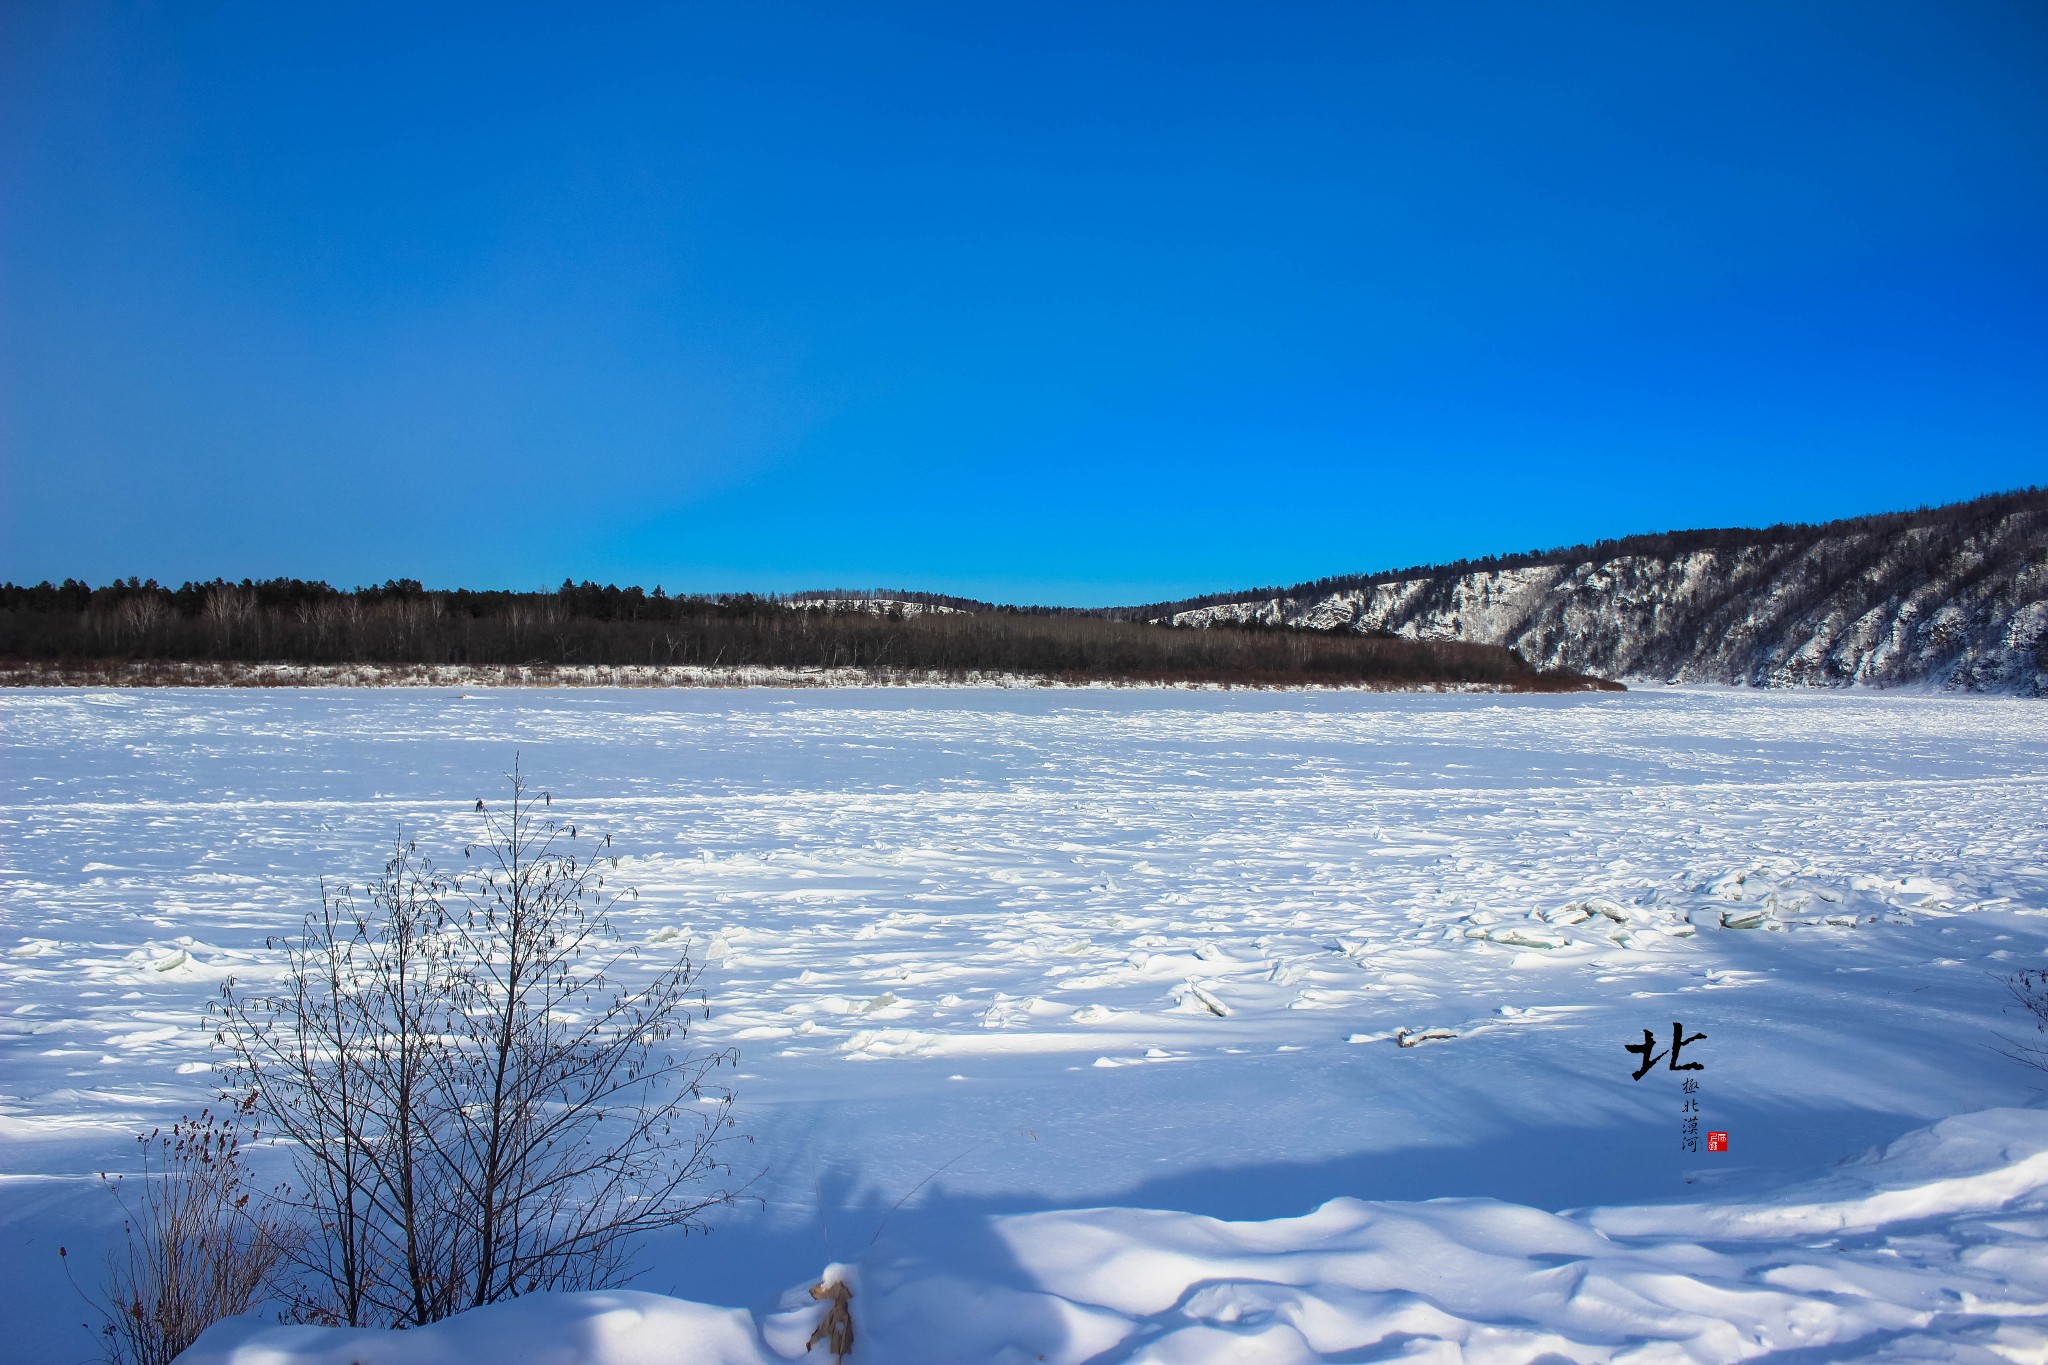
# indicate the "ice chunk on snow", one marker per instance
pixel 1197 996
pixel 1414 1037
pixel 888 1042
pixel 1528 938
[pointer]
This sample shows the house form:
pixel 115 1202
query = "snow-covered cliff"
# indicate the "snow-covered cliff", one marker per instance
pixel 1934 598
pixel 871 606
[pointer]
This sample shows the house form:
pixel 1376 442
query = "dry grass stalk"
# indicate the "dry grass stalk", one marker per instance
pixel 835 1327
pixel 199 1247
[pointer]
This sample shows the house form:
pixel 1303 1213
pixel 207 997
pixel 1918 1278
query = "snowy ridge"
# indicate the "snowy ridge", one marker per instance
pixel 1962 608
pixel 1933 1250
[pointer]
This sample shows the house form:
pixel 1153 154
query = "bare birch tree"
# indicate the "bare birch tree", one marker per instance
pixel 485 1093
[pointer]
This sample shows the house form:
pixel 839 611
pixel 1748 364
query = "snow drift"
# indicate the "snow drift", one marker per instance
pixel 1932 1250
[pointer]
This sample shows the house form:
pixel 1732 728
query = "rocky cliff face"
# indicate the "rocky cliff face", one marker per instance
pixel 1953 597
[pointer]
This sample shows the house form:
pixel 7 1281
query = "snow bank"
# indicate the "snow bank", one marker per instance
pixel 613 1327
pixel 1932 1250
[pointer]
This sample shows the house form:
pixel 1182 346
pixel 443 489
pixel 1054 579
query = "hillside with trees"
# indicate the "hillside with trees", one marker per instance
pixel 1954 597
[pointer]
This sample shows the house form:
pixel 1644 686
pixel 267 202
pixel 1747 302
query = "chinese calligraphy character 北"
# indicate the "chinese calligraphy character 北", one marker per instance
pixel 1647 1050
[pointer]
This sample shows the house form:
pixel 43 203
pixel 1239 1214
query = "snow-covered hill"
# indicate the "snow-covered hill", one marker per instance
pixel 1953 597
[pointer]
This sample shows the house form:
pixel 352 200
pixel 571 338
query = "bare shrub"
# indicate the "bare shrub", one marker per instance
pixel 2029 990
pixel 480 1103
pixel 198 1246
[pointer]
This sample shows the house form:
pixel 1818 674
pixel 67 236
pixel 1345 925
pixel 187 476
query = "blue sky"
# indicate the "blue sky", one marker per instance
pixel 1083 303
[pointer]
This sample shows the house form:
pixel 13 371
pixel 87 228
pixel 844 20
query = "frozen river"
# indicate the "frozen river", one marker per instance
pixel 1069 948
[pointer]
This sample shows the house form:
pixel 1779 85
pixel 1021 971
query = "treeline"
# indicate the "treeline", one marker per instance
pixel 291 621
pixel 1959 518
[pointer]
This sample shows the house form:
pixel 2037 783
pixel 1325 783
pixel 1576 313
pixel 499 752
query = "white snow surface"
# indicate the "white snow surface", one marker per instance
pixel 1147 1025
pixel 1931 1249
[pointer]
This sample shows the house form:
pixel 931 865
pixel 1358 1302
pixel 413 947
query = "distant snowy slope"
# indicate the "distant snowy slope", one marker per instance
pixel 1955 597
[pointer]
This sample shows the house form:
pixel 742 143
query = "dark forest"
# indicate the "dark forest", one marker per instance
pixel 74 631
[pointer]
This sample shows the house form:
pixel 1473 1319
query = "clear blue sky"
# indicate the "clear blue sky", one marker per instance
pixel 1084 303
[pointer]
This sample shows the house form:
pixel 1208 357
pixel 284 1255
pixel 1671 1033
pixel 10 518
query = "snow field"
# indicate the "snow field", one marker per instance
pixel 992 958
pixel 1928 1252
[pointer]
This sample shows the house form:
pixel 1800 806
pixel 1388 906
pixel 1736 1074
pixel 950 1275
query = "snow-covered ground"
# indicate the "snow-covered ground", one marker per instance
pixel 1074 1022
